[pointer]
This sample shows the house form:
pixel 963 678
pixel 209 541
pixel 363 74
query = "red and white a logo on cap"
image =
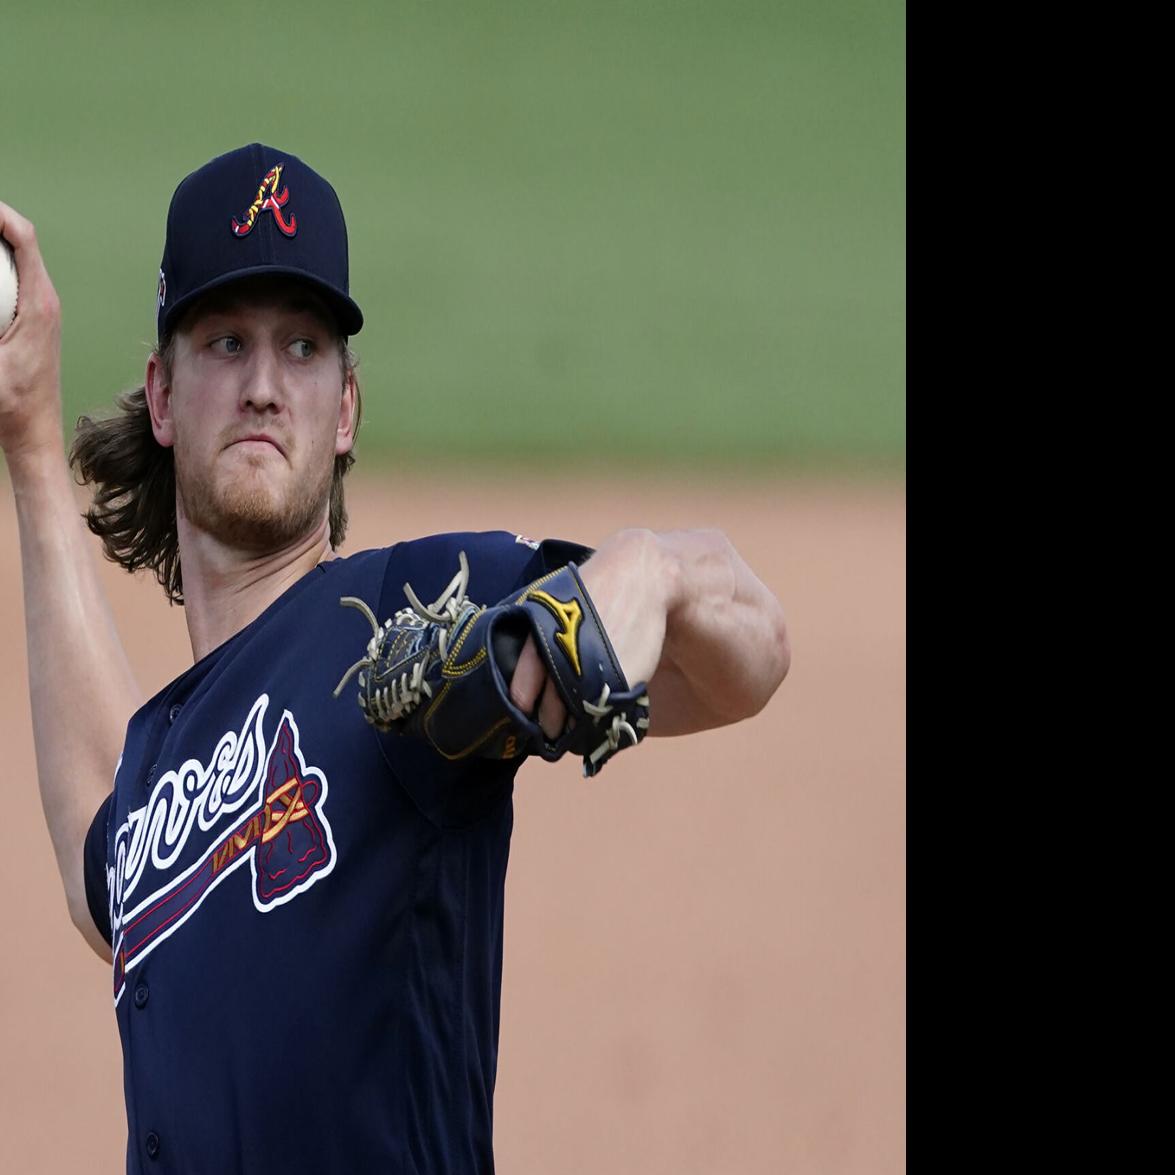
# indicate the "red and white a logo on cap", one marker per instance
pixel 268 199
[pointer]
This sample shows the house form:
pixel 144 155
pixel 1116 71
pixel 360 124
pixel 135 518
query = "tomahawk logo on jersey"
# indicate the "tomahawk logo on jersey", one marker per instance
pixel 250 802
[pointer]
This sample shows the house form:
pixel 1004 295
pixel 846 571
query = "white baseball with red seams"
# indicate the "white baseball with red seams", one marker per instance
pixel 8 286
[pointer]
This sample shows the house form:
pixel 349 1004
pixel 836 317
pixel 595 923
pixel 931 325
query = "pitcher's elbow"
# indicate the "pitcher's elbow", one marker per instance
pixel 775 666
pixel 83 921
pixel 782 649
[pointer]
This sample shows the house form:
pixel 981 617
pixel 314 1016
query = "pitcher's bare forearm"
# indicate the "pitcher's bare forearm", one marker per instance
pixel 81 686
pixel 688 612
pixel 685 613
pixel 726 645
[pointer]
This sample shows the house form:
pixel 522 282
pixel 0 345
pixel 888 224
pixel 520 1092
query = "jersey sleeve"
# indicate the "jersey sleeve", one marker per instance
pixel 500 563
pixel 550 555
pixel 94 866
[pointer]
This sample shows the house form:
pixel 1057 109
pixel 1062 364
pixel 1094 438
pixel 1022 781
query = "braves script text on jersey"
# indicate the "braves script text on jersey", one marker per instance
pixel 306 915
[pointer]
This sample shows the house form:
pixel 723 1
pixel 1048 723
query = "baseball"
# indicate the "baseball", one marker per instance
pixel 8 286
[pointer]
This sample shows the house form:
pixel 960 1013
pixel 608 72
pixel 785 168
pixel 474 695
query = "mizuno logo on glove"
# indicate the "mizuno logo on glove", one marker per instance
pixel 569 614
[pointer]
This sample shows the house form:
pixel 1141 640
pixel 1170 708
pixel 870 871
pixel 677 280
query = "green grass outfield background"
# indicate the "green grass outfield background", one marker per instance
pixel 670 230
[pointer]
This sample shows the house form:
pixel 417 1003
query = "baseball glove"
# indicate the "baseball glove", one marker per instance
pixel 442 672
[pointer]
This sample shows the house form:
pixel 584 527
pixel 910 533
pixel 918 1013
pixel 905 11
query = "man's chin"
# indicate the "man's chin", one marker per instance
pixel 251 507
pixel 254 522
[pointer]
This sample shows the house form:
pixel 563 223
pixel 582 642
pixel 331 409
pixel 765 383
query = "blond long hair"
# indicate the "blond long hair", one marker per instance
pixel 133 508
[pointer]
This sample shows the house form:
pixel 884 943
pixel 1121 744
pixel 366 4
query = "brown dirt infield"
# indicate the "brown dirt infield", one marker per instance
pixel 705 947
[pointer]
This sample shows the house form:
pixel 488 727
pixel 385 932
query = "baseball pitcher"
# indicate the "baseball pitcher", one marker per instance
pixel 294 854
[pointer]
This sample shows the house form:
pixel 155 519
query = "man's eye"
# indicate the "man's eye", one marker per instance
pixel 227 344
pixel 302 348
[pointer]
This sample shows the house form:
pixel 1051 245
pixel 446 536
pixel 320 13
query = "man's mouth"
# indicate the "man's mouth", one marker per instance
pixel 258 439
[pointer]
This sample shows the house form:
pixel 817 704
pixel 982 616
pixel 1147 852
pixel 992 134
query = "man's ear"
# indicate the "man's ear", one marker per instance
pixel 157 384
pixel 348 415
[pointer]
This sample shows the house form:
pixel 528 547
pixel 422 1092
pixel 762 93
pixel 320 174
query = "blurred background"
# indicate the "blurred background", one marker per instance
pixel 683 221
pixel 634 263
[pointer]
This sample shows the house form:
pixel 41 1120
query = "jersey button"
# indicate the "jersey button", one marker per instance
pixel 173 713
pixel 152 1145
pixel 141 995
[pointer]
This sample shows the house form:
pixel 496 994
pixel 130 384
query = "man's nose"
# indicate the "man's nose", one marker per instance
pixel 261 386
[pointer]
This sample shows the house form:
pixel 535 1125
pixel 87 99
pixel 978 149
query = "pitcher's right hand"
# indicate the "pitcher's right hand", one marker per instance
pixel 30 350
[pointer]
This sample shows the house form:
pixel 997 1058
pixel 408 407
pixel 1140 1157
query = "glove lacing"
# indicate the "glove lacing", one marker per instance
pixel 398 698
pixel 600 709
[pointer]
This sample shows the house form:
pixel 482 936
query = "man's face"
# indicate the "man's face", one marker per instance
pixel 257 408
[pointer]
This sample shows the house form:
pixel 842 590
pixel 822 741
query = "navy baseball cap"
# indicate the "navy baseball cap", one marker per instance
pixel 254 211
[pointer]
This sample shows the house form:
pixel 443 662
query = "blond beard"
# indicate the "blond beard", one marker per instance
pixel 253 517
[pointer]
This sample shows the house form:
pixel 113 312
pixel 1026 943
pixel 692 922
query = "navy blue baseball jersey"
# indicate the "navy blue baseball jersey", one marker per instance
pixel 306 914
